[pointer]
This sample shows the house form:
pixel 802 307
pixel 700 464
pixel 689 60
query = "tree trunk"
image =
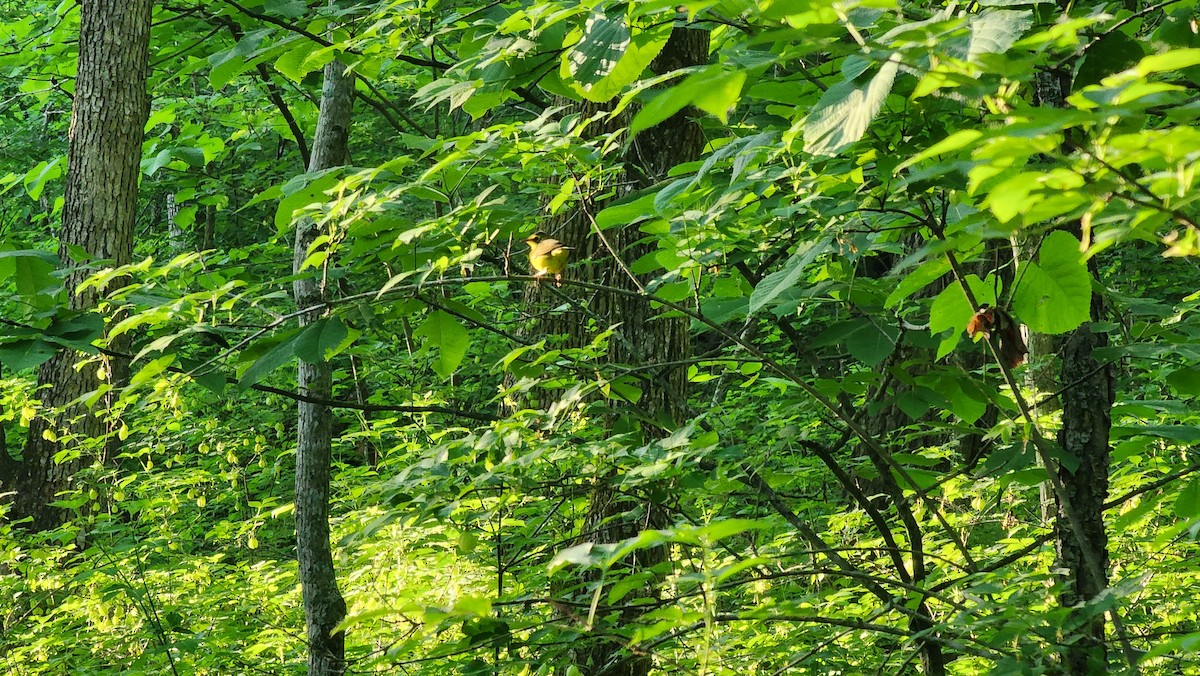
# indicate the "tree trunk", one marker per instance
pixel 643 339
pixel 1087 404
pixel 175 236
pixel 1087 398
pixel 324 607
pixel 100 205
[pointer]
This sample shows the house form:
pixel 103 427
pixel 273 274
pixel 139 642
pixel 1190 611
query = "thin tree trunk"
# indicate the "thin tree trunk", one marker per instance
pixel 1086 415
pixel 99 209
pixel 1087 399
pixel 175 237
pixel 324 607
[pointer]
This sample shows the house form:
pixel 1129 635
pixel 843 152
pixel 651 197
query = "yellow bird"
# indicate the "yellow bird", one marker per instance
pixel 548 256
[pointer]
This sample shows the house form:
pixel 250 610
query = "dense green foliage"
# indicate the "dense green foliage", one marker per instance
pixel 866 163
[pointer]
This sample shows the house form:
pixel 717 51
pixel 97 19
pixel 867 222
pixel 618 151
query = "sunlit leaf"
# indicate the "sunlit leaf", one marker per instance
pixel 844 112
pixel 1055 294
pixel 447 338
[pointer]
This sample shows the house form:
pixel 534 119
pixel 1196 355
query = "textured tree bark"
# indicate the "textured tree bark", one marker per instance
pixel 1087 399
pixel 1086 415
pixel 100 205
pixel 324 606
pixel 644 338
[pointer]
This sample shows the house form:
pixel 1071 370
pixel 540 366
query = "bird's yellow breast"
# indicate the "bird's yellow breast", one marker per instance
pixel 553 262
pixel 548 256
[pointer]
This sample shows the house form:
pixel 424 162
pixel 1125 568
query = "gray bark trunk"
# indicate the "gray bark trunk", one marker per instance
pixel 1086 421
pixel 99 210
pixel 324 607
pixel 175 237
pixel 1086 415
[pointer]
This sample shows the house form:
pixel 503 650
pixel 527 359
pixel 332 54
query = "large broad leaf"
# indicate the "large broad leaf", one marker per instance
pixel 772 285
pixel 872 342
pixel 842 115
pixel 993 31
pixel 951 143
pixel 1054 295
pixel 951 311
pixel 267 355
pixel 77 331
pixel 37 177
pixel 320 338
pixel 24 354
pixel 711 89
pixel 606 58
pixel 579 555
pixel 306 58
pixel 599 49
pixel 918 279
pixel 303 191
pixel 1110 54
pixel 442 332
pixel 1176 59
pixel 238 59
pixel 627 213
pixel 32 272
pixel 1187 505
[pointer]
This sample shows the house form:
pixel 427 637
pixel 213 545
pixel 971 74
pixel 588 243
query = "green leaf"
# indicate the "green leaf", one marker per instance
pixel 993 31
pixel 1055 295
pixel 721 95
pixel 1186 644
pixel 267 355
pixel 871 343
pixel 712 89
pixel 627 213
pixel 232 62
pixel 32 272
pixel 443 333
pixel 965 399
pixel 1187 505
pixel 319 339
pixel 76 330
pixel 955 141
pixel 1177 59
pixel 623 389
pixel 1015 196
pixel 47 256
pixel 37 177
pixel 719 530
pixel 843 113
pixel 606 58
pixel 1111 54
pixel 793 271
pixel 950 310
pixel 621 588
pixel 1185 381
pixel 480 606
pixel 579 555
pixel 918 279
pixel 302 191
pixel 151 370
pixel 599 49
pixel 1183 434
pixel 24 354
pixel 307 57
pixel 292 9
